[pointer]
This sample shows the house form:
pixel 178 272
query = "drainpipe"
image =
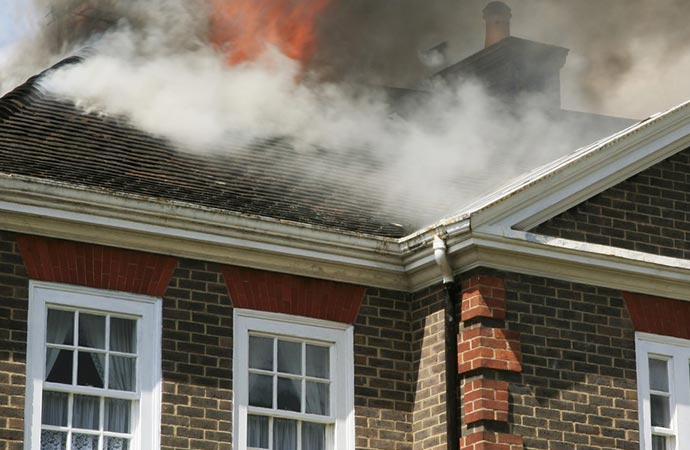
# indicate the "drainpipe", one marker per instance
pixel 451 332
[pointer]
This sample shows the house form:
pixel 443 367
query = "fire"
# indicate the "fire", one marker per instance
pixel 245 27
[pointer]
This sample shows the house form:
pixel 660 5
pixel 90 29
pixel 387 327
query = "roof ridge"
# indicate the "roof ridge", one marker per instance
pixel 20 96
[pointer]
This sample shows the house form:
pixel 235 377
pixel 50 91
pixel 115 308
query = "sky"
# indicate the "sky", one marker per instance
pixel 11 26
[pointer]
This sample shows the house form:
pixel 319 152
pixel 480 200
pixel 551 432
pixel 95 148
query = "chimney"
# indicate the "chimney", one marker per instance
pixel 497 16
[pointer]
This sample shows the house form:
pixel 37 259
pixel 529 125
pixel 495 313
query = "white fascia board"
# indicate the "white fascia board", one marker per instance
pixel 588 173
pixel 592 264
pixel 62 211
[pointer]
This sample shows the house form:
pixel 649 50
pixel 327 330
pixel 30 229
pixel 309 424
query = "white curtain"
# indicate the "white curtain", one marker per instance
pixel 60 325
pixel 313 436
pixel 121 369
pixel 284 434
pixel 257 431
pixel 92 333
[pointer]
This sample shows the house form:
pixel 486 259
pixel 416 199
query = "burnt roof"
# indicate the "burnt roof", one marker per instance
pixel 47 138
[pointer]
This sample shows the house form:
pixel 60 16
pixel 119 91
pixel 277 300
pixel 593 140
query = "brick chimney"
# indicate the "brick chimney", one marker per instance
pixel 497 16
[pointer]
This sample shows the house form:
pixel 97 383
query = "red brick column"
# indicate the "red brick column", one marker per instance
pixel 485 351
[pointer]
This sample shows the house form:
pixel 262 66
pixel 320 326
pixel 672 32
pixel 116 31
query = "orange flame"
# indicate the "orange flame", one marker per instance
pixel 245 27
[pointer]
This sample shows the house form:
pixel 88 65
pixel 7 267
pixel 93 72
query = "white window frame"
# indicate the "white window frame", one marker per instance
pixel 677 352
pixel 42 295
pixel 338 334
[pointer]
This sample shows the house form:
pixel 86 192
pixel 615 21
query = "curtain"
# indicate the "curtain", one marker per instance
pixel 284 434
pixel 92 334
pixel 60 325
pixel 122 337
pixel 313 436
pixel 257 431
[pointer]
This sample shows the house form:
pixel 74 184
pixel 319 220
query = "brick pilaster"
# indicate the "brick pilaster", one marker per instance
pixel 485 350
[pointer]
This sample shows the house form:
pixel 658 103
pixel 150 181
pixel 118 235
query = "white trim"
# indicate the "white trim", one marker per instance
pixel 677 353
pixel 340 335
pixel 148 309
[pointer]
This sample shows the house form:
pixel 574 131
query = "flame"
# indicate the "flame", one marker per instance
pixel 245 27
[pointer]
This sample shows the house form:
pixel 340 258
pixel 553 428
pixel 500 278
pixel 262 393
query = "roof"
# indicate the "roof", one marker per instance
pixel 50 139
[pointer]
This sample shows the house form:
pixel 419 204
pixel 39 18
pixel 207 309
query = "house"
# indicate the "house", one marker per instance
pixel 151 298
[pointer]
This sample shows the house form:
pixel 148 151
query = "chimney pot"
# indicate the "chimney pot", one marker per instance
pixel 497 16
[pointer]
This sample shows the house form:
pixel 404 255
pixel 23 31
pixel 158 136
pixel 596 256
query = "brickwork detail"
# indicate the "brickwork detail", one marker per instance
pixel 383 372
pixel 197 360
pixel 578 387
pixel 96 266
pixel 489 348
pixel 487 440
pixel 659 315
pixel 485 400
pixel 292 294
pixel 649 212
pixel 483 296
pixel 486 351
pixel 14 284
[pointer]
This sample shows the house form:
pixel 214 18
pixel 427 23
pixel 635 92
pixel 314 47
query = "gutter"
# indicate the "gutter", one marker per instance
pixel 451 344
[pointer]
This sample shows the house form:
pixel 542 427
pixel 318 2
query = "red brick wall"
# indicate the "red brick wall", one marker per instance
pixel 659 315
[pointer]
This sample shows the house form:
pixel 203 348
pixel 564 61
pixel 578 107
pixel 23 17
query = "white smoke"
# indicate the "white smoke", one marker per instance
pixel 159 73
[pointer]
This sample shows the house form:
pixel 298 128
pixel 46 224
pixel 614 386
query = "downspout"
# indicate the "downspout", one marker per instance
pixel 451 332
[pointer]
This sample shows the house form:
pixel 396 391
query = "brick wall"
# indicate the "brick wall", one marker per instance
pixel 197 360
pixel 13 319
pixel 577 389
pixel 428 348
pixel 383 372
pixel 650 212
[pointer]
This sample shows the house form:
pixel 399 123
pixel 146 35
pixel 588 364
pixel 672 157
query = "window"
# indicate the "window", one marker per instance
pixel 293 383
pixel 663 378
pixel 93 369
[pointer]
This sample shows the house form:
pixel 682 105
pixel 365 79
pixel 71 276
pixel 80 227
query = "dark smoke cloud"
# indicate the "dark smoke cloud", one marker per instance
pixel 617 46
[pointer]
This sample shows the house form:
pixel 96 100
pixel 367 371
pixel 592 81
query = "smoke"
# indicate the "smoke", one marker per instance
pixel 151 62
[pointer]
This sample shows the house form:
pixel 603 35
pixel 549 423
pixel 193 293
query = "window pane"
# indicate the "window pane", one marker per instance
pixel 113 443
pixel 318 361
pixel 284 434
pixel 313 436
pixel 289 394
pixel 123 335
pixel 117 414
pixel 90 369
pixel 121 374
pixel 257 434
pixel 659 442
pixel 260 390
pixel 658 375
pixel 84 442
pixel 91 331
pixel 60 327
pixel 53 440
pixel 59 366
pixel 54 409
pixel 260 353
pixel 86 412
pixel 317 398
pixel 290 357
pixel 660 411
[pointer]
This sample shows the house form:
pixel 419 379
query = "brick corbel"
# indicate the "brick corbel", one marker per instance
pixel 489 348
pixel 487 440
pixel 486 400
pixel 483 296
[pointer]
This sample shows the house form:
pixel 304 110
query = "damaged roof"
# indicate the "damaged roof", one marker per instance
pixel 51 139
